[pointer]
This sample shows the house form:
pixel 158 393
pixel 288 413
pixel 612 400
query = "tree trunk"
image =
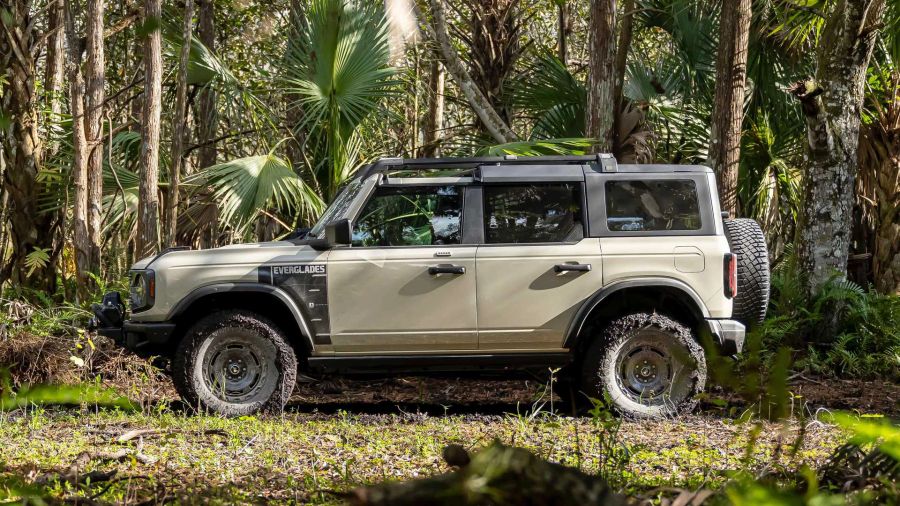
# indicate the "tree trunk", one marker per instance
pixel 293 109
pixel 622 49
pixel 54 72
pixel 179 121
pixel 562 31
pixel 208 118
pixel 148 203
pixel 494 48
pixel 496 127
pixel 80 227
pixel 434 123
pixel 22 150
pixel 600 112
pixel 93 127
pixel 832 104
pixel 728 108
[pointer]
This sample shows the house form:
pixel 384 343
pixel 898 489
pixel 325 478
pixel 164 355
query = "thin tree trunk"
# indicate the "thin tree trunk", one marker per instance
pixel 93 127
pixel 600 114
pixel 22 149
pixel 293 109
pixel 148 204
pixel 208 120
pixel 434 123
pixel 178 126
pixel 54 72
pixel 80 227
pixel 496 127
pixel 562 31
pixel 832 104
pixel 622 48
pixel 728 108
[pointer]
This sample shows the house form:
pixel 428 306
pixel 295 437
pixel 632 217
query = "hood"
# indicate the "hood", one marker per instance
pixel 250 253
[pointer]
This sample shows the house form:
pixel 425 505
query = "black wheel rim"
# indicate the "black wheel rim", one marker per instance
pixel 652 369
pixel 239 366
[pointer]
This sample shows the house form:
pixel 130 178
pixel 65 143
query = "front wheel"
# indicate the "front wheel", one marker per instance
pixel 650 366
pixel 235 363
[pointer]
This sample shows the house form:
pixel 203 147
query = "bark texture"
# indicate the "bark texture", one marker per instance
pixel 728 107
pixel 494 48
pixel 54 71
pixel 600 114
pixel 493 123
pixel 434 123
pixel 148 207
pixel 208 118
pixel 562 31
pixel 832 104
pixel 179 126
pixel 623 46
pixel 94 81
pixel 22 150
pixel 81 242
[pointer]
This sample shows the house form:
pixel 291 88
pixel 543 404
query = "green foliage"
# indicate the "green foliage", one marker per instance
pixel 42 395
pixel 38 258
pixel 336 70
pixel 866 343
pixel 246 188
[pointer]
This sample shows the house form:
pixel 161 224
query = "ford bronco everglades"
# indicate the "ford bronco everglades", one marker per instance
pixel 611 274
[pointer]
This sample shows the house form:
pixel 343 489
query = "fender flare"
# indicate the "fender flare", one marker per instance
pixel 587 307
pixel 248 287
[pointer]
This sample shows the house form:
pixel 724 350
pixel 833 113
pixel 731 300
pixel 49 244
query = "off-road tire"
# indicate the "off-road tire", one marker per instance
pixel 254 342
pixel 625 344
pixel 749 244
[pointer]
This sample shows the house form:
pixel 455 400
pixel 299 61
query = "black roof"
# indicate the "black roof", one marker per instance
pixel 607 161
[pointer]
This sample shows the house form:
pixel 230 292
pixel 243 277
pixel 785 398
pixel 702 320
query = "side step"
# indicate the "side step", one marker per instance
pixel 438 363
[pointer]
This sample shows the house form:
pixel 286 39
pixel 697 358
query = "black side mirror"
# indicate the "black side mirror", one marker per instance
pixel 339 233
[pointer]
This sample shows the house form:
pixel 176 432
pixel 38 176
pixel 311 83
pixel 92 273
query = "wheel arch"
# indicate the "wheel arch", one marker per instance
pixel 268 301
pixel 667 296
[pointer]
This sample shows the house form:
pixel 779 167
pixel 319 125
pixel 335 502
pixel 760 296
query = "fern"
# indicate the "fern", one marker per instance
pixel 39 258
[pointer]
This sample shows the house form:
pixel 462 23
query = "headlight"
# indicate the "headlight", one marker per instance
pixel 143 290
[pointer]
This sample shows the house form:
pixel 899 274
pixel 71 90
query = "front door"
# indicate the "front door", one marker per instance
pixel 535 268
pixel 406 284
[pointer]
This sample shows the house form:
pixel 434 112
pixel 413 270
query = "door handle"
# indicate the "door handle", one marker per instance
pixel 572 267
pixel 434 270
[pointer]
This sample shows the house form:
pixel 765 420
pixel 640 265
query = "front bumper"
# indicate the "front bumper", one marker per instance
pixel 140 337
pixel 729 333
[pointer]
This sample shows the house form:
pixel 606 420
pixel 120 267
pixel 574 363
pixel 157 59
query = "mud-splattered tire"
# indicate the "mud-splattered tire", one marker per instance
pixel 650 366
pixel 235 363
pixel 749 244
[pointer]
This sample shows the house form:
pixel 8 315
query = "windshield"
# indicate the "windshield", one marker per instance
pixel 337 208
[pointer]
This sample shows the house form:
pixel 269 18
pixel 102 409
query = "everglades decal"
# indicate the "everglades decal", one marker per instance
pixel 306 284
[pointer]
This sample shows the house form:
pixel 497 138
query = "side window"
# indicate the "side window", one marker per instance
pixel 635 206
pixel 533 213
pixel 411 216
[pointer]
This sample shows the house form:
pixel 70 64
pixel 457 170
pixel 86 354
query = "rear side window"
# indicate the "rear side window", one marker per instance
pixel 533 213
pixel 649 205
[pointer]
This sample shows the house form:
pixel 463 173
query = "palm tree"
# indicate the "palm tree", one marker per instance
pixel 338 69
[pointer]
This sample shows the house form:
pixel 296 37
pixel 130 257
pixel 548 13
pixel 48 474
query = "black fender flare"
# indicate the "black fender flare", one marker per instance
pixel 248 287
pixel 599 296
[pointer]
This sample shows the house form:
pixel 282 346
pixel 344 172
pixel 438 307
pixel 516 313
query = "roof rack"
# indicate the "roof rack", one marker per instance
pixel 606 160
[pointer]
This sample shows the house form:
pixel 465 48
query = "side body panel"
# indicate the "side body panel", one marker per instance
pixel 385 299
pixel 696 261
pixel 523 303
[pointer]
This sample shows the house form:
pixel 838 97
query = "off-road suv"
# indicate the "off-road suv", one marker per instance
pixel 612 274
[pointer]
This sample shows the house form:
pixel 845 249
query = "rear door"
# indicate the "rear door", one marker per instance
pixel 407 283
pixel 535 266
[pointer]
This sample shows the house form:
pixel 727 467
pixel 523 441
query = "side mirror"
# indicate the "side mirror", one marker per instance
pixel 339 233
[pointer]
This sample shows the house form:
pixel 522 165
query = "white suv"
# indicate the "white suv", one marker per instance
pixel 611 273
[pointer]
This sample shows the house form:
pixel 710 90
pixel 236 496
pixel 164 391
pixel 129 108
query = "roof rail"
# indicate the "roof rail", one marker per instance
pixel 606 160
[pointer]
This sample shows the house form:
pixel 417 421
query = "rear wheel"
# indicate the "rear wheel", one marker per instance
pixel 235 363
pixel 650 366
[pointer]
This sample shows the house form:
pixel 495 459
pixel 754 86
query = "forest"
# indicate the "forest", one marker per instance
pixel 132 126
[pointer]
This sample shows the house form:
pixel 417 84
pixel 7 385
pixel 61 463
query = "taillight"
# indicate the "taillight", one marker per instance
pixel 730 275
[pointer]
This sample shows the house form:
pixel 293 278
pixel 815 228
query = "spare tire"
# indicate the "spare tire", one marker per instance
pixel 749 244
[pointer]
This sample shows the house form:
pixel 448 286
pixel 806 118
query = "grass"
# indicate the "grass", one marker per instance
pixel 314 457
